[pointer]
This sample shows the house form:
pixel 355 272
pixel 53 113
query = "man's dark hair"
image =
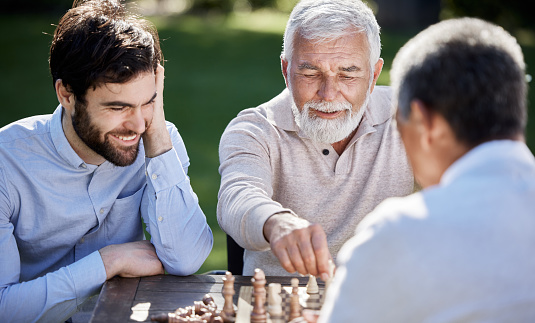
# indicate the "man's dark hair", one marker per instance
pixel 469 71
pixel 97 42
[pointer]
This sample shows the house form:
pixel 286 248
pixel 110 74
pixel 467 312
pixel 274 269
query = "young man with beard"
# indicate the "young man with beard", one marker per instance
pixel 299 172
pixel 461 250
pixel 75 185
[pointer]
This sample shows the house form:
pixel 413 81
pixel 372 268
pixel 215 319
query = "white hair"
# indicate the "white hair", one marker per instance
pixel 321 20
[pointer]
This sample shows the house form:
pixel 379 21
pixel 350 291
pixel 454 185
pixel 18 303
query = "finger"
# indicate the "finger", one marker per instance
pixel 307 251
pixel 296 258
pixel 282 255
pixel 321 249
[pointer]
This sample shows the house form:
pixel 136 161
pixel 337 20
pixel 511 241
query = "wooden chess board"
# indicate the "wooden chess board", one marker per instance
pixel 246 301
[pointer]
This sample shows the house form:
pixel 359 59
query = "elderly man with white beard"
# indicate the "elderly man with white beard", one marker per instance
pixel 298 173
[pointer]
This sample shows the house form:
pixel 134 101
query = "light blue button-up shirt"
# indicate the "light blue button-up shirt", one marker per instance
pixel 56 212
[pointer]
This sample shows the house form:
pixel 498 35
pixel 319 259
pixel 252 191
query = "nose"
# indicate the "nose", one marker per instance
pixel 329 89
pixel 136 120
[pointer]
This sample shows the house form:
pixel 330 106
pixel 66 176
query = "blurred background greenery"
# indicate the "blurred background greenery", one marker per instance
pixel 222 56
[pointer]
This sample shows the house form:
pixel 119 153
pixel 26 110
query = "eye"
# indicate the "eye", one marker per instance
pixel 117 109
pixel 346 77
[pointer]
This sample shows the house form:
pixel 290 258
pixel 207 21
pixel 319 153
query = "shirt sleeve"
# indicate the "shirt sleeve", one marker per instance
pixel 53 297
pixel 245 196
pixel 171 211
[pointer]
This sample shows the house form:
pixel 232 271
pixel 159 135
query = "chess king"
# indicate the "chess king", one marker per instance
pixel 76 185
pixel 298 173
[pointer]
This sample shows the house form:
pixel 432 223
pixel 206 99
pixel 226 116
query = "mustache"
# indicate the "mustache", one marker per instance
pixel 329 107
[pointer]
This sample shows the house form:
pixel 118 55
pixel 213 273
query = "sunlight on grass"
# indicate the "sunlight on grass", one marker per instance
pixel 265 21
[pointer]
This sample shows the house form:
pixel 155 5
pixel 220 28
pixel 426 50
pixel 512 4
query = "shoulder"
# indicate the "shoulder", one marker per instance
pixel 380 108
pixel 261 121
pixel 34 126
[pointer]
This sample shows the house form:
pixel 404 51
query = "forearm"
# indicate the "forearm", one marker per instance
pixel 55 296
pixel 245 196
pixel 171 210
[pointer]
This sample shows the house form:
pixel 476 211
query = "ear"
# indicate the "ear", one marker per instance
pixel 376 72
pixel 284 68
pixel 421 119
pixel 65 97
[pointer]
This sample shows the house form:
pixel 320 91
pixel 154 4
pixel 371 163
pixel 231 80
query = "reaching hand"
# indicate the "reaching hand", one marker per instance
pixel 298 244
pixel 132 259
pixel 156 139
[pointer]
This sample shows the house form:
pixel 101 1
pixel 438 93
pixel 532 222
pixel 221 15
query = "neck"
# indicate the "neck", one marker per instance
pixel 79 147
pixel 341 145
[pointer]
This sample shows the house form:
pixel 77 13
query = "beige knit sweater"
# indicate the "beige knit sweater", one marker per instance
pixel 269 166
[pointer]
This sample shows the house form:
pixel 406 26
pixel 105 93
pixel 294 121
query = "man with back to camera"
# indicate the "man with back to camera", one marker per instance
pixel 462 249
pixel 299 172
pixel 75 185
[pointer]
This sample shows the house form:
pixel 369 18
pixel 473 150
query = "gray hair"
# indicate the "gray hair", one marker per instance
pixel 322 20
pixel 468 70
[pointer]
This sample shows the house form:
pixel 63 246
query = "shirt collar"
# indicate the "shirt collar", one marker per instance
pixel 63 147
pixel 378 110
pixel 496 153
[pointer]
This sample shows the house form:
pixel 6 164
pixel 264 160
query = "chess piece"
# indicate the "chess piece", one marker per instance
pixel 295 307
pixel 331 275
pixel 274 300
pixel 312 285
pixel 258 315
pixel 228 313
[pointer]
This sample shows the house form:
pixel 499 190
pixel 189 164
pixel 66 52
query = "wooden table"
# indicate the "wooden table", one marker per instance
pixel 136 299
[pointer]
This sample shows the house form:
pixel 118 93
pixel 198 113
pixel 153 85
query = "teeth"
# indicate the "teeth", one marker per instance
pixel 126 138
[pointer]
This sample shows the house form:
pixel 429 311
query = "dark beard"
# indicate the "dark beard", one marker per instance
pixel 90 135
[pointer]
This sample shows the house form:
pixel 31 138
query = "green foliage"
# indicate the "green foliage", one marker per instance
pixel 511 15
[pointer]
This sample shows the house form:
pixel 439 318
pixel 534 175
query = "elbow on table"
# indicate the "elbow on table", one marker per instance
pixel 190 262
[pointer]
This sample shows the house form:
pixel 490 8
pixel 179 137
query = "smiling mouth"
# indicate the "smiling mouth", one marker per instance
pixel 328 115
pixel 124 138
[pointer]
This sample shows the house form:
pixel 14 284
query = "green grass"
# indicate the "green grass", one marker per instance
pixel 215 67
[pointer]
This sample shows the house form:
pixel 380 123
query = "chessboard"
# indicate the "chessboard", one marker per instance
pixel 307 301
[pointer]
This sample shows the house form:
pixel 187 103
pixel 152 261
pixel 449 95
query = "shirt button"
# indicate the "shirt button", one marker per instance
pixel 160 218
pixel 101 211
pixel 154 176
pixel 82 240
pixel 325 152
pixel 84 166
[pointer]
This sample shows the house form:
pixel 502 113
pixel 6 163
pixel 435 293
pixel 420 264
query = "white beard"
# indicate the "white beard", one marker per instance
pixel 329 130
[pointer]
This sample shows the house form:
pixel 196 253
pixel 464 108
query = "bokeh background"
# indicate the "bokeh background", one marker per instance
pixel 222 56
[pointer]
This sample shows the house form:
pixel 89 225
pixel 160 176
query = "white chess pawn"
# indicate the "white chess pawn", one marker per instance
pixel 274 299
pixel 312 285
pixel 331 275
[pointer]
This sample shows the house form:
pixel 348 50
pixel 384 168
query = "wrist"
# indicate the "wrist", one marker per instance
pixel 273 223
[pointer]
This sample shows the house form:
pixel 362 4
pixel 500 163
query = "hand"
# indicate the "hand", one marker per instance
pixel 298 244
pixel 311 316
pixel 156 139
pixel 132 259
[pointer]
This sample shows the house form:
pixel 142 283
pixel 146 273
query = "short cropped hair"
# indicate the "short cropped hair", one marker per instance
pixel 322 20
pixel 97 42
pixel 471 72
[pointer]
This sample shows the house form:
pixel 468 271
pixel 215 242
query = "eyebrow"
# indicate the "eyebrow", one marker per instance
pixel 349 69
pixel 126 104
pixel 308 66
